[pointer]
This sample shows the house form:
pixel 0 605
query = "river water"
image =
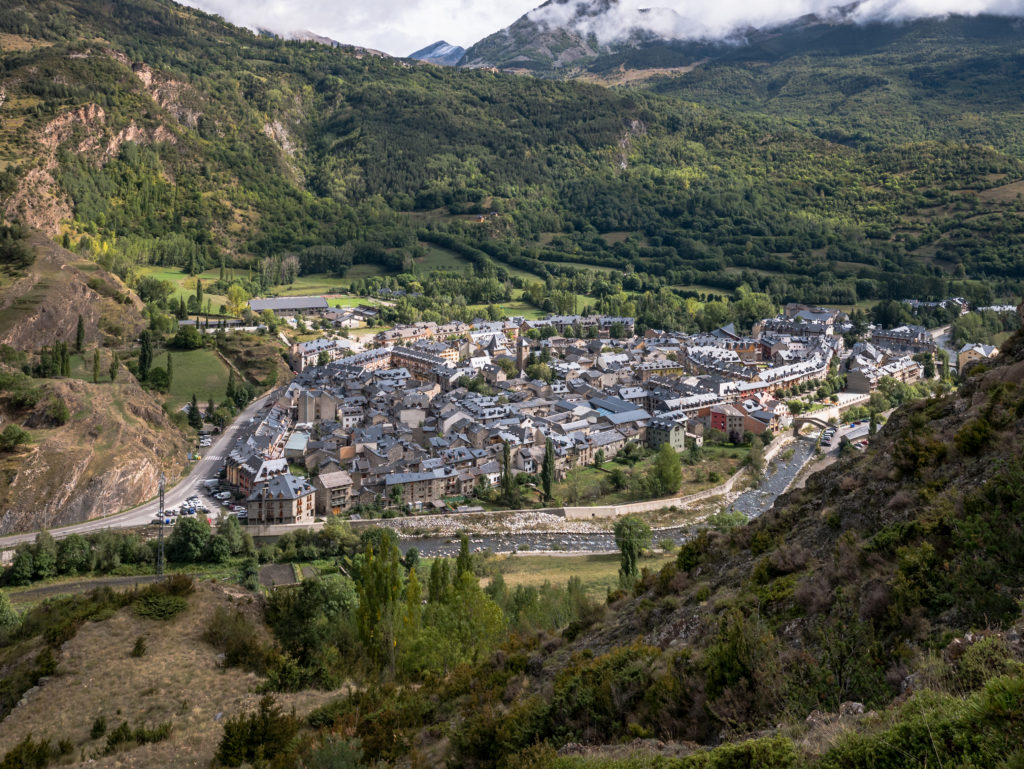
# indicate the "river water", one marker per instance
pixel 752 503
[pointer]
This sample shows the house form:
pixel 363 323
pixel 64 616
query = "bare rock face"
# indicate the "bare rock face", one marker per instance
pixel 106 458
pixel 54 292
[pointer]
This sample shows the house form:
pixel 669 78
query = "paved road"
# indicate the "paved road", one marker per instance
pixel 207 467
pixel 942 338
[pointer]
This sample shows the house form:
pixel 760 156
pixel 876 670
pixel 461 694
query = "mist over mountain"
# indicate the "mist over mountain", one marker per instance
pixel 617 20
pixel 561 36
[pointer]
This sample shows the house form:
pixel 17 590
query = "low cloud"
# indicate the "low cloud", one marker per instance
pixel 721 19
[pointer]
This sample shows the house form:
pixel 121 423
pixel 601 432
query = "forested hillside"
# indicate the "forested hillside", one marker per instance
pixel 147 132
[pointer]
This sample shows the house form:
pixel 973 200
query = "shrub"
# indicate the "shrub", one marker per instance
pixel 30 754
pixel 139 649
pixel 263 734
pixel 12 437
pixel 234 634
pixel 99 727
pixel 159 607
pixel 123 735
pixel 974 436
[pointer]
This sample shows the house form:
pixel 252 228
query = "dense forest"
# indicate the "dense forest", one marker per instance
pixel 217 146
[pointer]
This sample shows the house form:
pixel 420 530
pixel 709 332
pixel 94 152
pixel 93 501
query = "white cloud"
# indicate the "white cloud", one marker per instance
pixel 398 27
pixel 717 19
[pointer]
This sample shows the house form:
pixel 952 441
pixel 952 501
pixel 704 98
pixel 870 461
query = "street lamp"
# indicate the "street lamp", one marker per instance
pixel 160 552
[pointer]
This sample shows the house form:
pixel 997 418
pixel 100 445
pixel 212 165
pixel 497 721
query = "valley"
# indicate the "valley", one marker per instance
pixel 587 397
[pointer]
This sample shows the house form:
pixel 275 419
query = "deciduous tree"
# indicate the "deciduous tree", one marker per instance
pixel 632 535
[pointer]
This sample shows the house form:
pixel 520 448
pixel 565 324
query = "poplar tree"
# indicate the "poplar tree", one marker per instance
pixel 547 470
pixel 96 366
pixel 79 334
pixel 115 364
pixel 379 595
pixel 464 563
pixel 632 535
pixel 507 481
pixel 170 371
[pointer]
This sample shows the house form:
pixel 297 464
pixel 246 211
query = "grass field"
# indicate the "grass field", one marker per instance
pixel 196 371
pixel 722 460
pixel 438 258
pixel 350 301
pixel 599 573
pixel 310 285
pixel 185 284
pixel 361 271
pixel 512 309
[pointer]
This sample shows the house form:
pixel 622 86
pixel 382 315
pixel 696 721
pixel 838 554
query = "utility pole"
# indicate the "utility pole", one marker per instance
pixel 160 552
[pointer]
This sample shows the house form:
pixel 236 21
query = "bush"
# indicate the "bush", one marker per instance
pixel 12 437
pixel 187 338
pixel 235 636
pixel 217 550
pixel 30 754
pixel 264 734
pixel 123 735
pixel 57 411
pixel 139 649
pixel 99 727
pixel 159 607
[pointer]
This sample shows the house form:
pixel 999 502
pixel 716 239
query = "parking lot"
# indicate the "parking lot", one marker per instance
pixel 209 500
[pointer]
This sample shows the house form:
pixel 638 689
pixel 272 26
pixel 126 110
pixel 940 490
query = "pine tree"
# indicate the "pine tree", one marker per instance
pixel 145 355
pixel 80 334
pixel 96 366
pixel 195 417
pixel 170 370
pixel 547 470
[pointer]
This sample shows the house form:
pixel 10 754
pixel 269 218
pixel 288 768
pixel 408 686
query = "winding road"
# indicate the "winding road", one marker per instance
pixel 207 467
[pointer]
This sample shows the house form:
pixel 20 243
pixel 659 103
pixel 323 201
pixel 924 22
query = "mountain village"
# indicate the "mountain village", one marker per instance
pixel 418 418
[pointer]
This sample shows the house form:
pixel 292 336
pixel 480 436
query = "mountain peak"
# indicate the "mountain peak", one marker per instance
pixel 441 52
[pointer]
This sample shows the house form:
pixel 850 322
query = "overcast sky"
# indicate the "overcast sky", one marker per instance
pixel 400 27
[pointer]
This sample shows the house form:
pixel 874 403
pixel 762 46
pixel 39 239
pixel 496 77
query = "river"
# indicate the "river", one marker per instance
pixel 752 503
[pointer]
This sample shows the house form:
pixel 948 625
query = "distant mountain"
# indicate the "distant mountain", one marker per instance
pixel 440 52
pixel 598 38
